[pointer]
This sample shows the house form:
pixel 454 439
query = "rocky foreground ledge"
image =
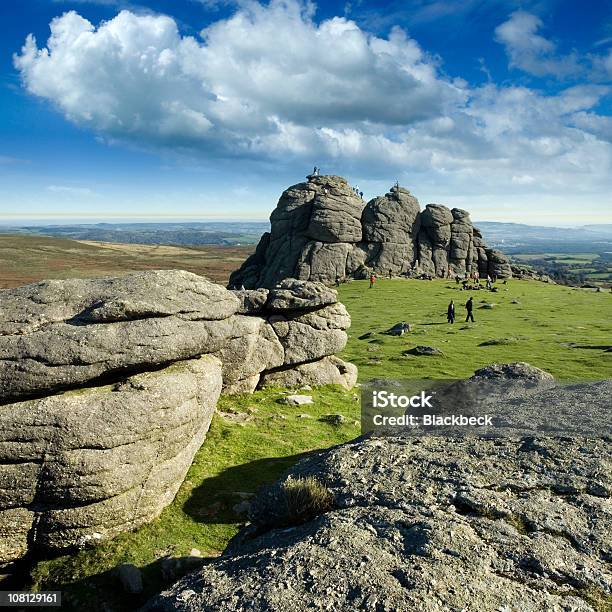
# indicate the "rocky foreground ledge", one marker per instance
pixel 108 386
pixel 430 524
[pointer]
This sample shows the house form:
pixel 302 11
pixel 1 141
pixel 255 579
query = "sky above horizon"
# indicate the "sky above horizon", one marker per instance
pixel 208 109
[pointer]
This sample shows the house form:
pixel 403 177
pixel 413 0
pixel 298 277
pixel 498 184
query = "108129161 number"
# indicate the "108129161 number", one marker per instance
pixel 26 599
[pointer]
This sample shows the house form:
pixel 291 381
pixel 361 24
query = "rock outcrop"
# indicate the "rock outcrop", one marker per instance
pixel 88 464
pixel 321 230
pixel 108 386
pixel 431 523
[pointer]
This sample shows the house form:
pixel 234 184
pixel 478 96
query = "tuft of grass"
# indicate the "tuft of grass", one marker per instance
pixel 305 498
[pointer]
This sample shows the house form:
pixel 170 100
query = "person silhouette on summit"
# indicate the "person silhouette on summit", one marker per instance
pixel 469 306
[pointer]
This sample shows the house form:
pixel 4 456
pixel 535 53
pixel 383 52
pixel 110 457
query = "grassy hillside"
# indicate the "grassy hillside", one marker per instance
pixel 27 259
pixel 560 329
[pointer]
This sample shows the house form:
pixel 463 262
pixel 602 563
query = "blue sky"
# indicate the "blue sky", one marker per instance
pixel 203 109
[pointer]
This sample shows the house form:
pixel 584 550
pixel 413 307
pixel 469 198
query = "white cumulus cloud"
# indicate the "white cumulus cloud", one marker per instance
pixel 272 83
pixel 531 52
pixel 253 80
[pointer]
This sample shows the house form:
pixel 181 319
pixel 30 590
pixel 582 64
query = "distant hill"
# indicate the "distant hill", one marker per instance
pixel 514 238
pixel 177 234
pixel 511 238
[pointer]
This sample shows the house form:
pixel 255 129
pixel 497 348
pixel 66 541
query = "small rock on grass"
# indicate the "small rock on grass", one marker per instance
pixel 333 419
pixel 365 336
pixel 430 351
pixel 298 400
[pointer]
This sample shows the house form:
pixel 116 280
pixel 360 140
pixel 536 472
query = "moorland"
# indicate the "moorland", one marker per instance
pixel 254 438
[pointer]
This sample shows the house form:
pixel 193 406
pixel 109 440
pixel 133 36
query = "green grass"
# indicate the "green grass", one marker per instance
pixel 547 317
pixel 232 463
pixel 237 458
pixel 577 258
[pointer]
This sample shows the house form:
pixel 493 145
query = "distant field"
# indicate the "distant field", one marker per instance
pixel 573 267
pixel 27 259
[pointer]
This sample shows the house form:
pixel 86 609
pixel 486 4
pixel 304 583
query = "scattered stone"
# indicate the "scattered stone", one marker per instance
pixel 327 371
pixel 298 400
pixel 333 419
pixel 238 418
pixel 430 351
pixel 488 306
pixel 365 336
pixel 509 371
pixel 399 329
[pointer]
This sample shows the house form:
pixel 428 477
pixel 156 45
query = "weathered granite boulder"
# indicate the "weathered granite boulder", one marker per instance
pixel 429 523
pixel 436 230
pixel 107 388
pixel 61 334
pixel 322 231
pixel 85 465
pixel 498 264
pixel 327 371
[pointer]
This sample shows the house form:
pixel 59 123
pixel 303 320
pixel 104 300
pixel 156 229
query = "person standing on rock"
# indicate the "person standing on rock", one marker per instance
pixel 372 280
pixel 469 306
pixel 450 312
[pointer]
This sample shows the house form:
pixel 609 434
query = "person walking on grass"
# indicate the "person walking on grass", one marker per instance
pixel 450 312
pixel 372 280
pixel 469 306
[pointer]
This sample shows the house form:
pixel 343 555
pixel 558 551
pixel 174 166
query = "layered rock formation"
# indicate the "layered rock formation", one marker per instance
pixel 108 386
pixel 321 230
pixel 518 523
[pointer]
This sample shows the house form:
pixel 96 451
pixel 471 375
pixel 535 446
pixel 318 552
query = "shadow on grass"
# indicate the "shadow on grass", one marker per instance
pixel 213 501
pixel 104 591
pixel 595 347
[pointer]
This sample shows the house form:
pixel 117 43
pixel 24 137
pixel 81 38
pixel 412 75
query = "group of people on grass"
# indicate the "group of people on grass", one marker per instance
pixel 450 311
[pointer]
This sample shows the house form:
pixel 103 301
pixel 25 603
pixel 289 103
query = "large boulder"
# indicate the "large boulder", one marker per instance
pixel 60 334
pixel 430 523
pixel 84 465
pixel 391 218
pixel 336 211
pixel 322 231
pixel 107 388
pixel 326 371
